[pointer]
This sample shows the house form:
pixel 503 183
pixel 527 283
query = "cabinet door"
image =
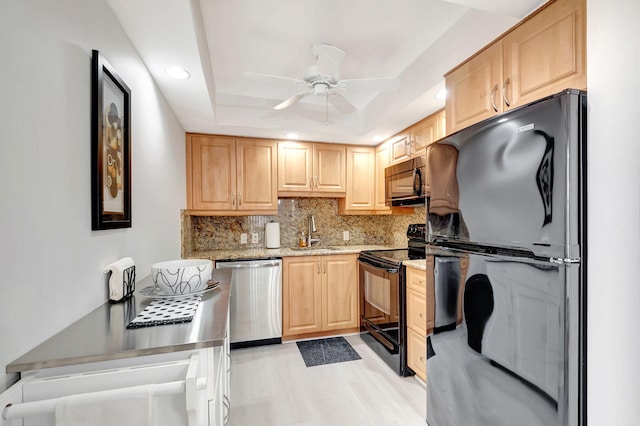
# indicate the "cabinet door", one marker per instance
pixel 441 129
pixel 339 292
pixel 257 175
pixel 546 54
pixel 473 89
pixel 383 159
pixel 211 173
pixel 360 193
pixel 400 147
pixel 301 295
pixel 329 168
pixel 424 133
pixel 417 353
pixel 417 311
pixel 295 166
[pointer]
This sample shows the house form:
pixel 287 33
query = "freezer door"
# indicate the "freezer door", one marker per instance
pixel 513 181
pixel 515 354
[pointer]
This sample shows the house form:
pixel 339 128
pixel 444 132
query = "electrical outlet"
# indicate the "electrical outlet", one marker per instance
pixel 345 235
pixel 243 238
pixel 254 238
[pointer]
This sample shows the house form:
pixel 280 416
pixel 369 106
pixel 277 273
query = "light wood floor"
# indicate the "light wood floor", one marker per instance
pixel 270 385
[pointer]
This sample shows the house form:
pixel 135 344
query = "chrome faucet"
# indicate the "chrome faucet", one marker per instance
pixel 312 228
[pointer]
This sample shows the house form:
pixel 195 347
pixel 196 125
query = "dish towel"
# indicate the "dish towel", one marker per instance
pixel 116 288
pixel 106 408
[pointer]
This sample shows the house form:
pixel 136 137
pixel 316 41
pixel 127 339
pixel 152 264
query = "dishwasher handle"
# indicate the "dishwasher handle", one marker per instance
pixel 249 265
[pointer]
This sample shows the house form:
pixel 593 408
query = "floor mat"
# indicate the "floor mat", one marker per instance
pixel 326 351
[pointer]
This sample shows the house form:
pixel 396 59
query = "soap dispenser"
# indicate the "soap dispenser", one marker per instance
pixel 303 241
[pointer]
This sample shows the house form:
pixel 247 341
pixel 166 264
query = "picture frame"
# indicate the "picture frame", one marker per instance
pixel 110 147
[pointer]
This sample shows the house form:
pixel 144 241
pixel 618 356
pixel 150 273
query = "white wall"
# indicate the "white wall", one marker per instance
pixel 613 34
pixel 50 261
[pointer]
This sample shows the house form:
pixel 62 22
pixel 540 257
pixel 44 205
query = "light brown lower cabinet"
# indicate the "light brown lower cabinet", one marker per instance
pixel 319 294
pixel 420 316
pixel 417 353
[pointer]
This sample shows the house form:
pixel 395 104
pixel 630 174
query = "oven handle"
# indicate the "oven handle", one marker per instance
pixel 378 336
pixel 375 265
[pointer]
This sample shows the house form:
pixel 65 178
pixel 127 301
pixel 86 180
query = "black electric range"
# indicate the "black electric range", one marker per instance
pixel 383 298
pixel 416 248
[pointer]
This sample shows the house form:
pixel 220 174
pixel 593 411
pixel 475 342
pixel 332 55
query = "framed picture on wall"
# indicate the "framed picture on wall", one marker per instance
pixel 110 147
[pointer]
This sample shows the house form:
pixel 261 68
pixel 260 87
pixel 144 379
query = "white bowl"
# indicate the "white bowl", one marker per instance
pixel 184 276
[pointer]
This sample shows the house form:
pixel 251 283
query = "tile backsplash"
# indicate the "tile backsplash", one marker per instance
pixel 204 233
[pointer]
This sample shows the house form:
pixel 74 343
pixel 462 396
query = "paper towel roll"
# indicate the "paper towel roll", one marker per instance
pixel 272 235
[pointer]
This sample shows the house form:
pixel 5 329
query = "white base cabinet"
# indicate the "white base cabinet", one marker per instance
pixel 189 388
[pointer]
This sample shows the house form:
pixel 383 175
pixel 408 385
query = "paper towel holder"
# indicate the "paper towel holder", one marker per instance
pixel 272 237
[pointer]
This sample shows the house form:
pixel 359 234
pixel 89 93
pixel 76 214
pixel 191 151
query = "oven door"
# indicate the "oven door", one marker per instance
pixel 381 303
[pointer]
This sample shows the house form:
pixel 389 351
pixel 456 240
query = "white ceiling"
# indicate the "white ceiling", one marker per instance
pixel 415 41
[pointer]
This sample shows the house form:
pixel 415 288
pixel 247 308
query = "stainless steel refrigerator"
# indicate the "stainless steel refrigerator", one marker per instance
pixel 508 199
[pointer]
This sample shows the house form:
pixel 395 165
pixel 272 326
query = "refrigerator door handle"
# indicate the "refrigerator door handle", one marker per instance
pixel 563 261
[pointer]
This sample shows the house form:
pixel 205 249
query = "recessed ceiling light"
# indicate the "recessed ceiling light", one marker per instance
pixel 177 72
pixel 378 138
pixel 292 136
pixel 442 94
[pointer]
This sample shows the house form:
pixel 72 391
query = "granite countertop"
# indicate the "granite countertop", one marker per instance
pixel 261 253
pixel 101 335
pixel 417 264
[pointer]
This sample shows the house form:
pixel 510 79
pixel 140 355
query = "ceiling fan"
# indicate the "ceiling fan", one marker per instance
pixel 323 79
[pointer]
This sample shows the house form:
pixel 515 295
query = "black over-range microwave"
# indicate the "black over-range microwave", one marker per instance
pixel 405 183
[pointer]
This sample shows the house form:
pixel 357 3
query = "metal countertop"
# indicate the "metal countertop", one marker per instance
pixel 101 335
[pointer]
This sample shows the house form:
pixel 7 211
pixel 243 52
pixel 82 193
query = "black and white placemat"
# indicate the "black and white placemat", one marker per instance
pixel 167 311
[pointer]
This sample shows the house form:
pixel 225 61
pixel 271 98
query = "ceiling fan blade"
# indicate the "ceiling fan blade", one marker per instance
pixel 329 59
pixel 370 84
pixel 340 103
pixel 273 77
pixel 292 100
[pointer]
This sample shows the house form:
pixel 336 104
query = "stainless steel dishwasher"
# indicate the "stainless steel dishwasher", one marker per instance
pixel 255 301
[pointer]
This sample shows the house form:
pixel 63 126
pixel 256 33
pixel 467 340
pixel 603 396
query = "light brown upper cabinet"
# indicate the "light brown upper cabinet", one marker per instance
pixel 413 140
pixel 311 169
pixel 229 176
pixel 400 146
pixel 383 159
pixel 542 55
pixel 473 89
pixel 424 132
pixel 360 195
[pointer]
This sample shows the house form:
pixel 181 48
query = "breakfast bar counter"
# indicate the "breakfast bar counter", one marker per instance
pixel 102 334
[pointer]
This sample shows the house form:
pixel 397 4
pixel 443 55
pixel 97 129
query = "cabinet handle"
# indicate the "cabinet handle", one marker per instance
pixel 239 198
pixel 492 98
pixel 504 95
pixel 318 265
pixel 233 198
pixel 325 266
pixel 315 182
pixel 311 182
